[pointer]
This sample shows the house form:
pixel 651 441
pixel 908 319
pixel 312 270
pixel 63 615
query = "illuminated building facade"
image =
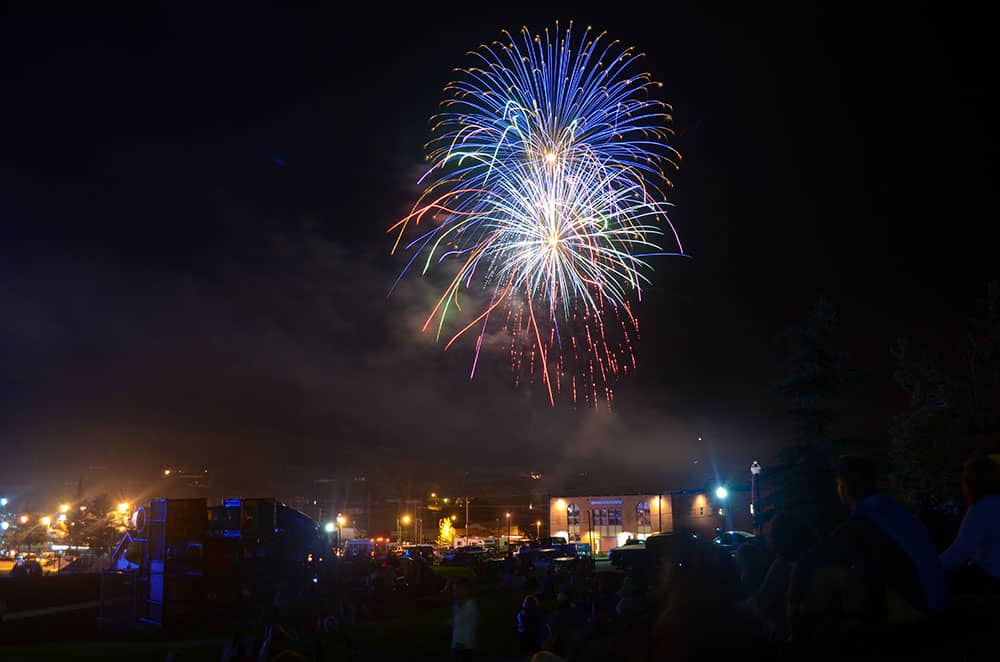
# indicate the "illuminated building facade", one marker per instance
pixel 607 521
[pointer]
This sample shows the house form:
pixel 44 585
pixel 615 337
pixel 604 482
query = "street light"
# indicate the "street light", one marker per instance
pixel 3 502
pixel 538 529
pixel 123 507
pixel 755 470
pixel 330 527
pixel 24 519
pixel 4 525
pixel 721 492
pixel 508 530
pixel 405 519
pixel 46 520
pixel 64 508
pixel 341 521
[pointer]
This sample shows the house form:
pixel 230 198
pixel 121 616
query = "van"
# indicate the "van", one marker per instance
pixel 359 548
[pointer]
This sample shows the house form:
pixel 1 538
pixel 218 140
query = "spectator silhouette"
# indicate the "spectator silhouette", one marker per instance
pixel 790 538
pixel 974 556
pixel 700 611
pixel 879 529
pixel 531 627
pixel 879 569
pixel 752 562
pixel 465 622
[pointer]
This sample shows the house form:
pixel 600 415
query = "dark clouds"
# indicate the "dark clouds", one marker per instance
pixel 291 356
pixel 169 291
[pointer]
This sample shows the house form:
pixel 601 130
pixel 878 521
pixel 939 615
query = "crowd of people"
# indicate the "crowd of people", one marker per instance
pixel 876 585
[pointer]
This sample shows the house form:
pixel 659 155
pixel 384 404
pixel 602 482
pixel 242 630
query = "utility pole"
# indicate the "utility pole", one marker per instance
pixel 467 519
pixel 755 469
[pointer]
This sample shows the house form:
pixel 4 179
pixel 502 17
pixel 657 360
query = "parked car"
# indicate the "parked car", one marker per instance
pixel 542 559
pixel 359 549
pixel 426 552
pixel 467 555
pixel 629 555
pixel 731 540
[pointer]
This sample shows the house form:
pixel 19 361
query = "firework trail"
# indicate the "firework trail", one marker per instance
pixel 546 196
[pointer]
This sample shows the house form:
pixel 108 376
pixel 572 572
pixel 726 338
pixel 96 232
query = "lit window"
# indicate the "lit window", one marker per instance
pixel 573 521
pixel 643 521
pixel 607 522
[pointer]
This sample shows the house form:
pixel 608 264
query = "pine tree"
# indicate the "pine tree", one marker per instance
pixel 951 414
pixel 815 379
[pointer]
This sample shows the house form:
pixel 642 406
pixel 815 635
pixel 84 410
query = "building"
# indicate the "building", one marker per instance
pixel 607 521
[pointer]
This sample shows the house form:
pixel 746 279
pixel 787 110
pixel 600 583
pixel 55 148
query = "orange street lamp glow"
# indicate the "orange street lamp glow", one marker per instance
pixel 123 507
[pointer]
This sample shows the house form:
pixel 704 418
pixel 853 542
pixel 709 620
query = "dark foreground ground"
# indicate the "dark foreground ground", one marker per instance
pixel 402 628
pixel 397 627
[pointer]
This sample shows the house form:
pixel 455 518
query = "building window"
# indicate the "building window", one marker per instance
pixel 573 521
pixel 607 522
pixel 643 521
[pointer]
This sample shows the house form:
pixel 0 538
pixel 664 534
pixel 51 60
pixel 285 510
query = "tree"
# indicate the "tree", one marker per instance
pixel 815 380
pixel 446 532
pixel 951 414
pixel 93 525
pixel 30 536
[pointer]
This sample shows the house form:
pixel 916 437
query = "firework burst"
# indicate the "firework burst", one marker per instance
pixel 546 196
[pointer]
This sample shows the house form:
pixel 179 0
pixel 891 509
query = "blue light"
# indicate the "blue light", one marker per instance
pixel 721 492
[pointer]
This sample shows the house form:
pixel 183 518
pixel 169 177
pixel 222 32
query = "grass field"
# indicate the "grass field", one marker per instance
pixel 405 629
pixel 424 633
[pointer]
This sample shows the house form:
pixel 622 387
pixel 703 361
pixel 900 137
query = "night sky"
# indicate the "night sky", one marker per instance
pixel 194 266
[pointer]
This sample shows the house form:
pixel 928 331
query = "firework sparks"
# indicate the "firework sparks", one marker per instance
pixel 546 195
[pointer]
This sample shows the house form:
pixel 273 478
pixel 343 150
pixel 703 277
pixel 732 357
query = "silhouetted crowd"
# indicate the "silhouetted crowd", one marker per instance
pixel 876 587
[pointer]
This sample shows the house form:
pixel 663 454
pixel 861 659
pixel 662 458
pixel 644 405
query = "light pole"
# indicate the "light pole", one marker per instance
pixel 538 529
pixel 406 522
pixel 341 520
pixel 508 530
pixel 755 470
pixel 467 519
